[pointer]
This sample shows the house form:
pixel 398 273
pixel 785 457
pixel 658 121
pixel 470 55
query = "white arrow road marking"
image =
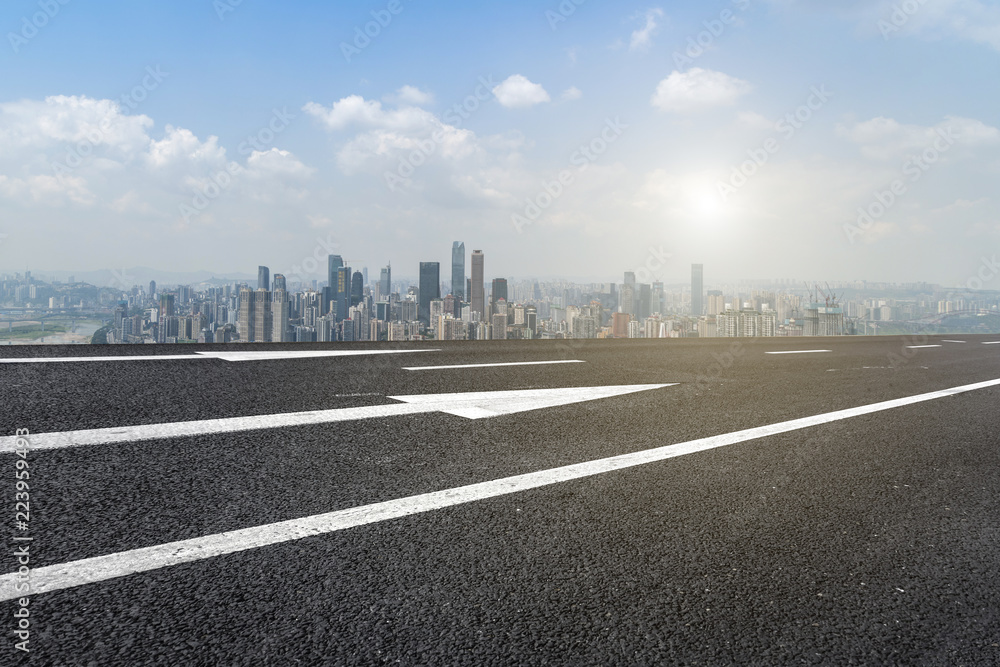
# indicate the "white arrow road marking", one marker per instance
pixel 801 352
pixel 475 405
pixel 111 566
pixel 225 356
pixel 513 363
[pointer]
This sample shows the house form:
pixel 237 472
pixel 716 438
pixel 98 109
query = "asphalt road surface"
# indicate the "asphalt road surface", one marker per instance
pixel 463 530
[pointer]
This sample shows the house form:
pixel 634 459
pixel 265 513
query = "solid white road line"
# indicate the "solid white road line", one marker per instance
pixel 513 363
pixel 111 566
pixel 801 352
pixel 471 405
pixel 52 360
pixel 921 347
pixel 225 356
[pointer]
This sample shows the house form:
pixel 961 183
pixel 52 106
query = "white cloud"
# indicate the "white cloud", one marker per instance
pixel 410 95
pixel 517 92
pixel 572 93
pixel 697 89
pixel 356 110
pixel 642 38
pixel 887 139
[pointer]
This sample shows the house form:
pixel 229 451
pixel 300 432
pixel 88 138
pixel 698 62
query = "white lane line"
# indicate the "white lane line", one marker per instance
pixel 993 342
pixel 111 566
pixel 225 356
pixel 52 360
pixel 921 347
pixel 801 352
pixel 954 341
pixel 471 405
pixel 301 354
pixel 512 363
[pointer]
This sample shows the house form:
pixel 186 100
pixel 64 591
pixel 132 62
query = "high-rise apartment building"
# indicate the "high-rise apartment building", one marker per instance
pixel 477 298
pixel 458 270
pixel 245 318
pixel 430 289
pixel 263 322
pixel 279 313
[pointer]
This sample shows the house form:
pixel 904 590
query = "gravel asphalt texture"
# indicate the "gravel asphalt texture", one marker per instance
pixel 868 541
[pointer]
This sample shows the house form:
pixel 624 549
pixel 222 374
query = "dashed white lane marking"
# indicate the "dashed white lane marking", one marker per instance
pixel 954 341
pixel 801 352
pixel 921 347
pixel 471 405
pixel 511 363
pixel 993 342
pixel 111 566
pixel 225 356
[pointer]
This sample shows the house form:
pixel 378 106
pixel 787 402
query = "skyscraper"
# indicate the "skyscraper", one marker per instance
pixel 263 278
pixel 263 322
pixel 341 291
pixel 245 319
pixel 334 262
pixel 279 312
pixel 165 314
pixel 385 283
pixel 152 288
pixel 430 289
pixel 498 292
pixel 357 287
pixel 279 282
pixel 697 290
pixel 458 270
pixel 478 299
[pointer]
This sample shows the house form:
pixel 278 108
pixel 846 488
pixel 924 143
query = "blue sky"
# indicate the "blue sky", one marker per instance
pixel 88 182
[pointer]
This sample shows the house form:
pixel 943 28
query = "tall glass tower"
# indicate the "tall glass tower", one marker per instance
pixel 458 270
pixel 430 289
